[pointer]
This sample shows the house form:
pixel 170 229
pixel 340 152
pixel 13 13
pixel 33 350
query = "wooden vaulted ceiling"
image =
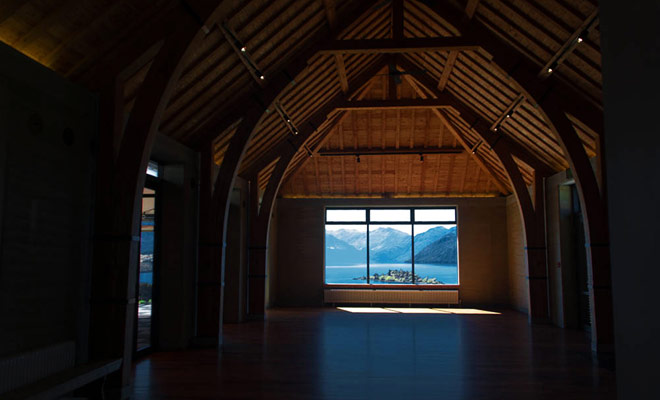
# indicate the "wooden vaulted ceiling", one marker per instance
pixel 79 40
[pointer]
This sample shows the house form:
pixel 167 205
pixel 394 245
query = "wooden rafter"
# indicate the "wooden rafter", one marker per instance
pixel 389 151
pixel 397 19
pixel 571 43
pixel 520 70
pixel 471 117
pixel 400 104
pixel 242 54
pixel 409 45
pixel 446 71
pixel 477 157
pixel 508 112
pixel 471 7
pixel 217 121
pixel 309 126
pixel 341 71
pixel 331 13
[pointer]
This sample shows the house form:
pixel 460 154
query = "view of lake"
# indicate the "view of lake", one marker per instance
pixel 447 274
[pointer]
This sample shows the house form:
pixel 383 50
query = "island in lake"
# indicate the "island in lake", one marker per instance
pixel 399 276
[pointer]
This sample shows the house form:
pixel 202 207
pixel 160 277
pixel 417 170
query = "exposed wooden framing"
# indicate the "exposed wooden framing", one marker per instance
pixel 216 123
pixel 356 85
pixel 55 52
pixel 554 100
pixel 468 114
pixel 390 151
pixel 341 71
pixel 396 196
pixel 570 44
pixel 330 13
pixel 408 45
pixel 470 8
pixel 140 38
pixel 398 128
pixel 520 70
pixel 401 104
pixel 476 156
pixel 508 112
pixel 397 19
pixel 465 172
pixel 249 64
pixel 38 30
pixel 446 71
pixel 116 238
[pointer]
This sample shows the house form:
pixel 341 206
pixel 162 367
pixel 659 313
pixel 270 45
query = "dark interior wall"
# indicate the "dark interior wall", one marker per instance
pixel 47 132
pixel 482 238
pixel 518 284
pixel 631 65
pixel 177 258
pixel 271 275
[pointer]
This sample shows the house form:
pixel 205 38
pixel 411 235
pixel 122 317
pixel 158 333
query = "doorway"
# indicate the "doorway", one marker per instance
pixel 147 268
pixel 575 277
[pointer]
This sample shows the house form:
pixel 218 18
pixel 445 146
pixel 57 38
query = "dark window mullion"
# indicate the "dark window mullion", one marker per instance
pixel 368 246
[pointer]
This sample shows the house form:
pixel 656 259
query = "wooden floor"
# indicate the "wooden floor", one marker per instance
pixel 333 354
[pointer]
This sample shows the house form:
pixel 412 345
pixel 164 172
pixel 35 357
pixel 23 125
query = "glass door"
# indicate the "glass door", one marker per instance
pixel 146 269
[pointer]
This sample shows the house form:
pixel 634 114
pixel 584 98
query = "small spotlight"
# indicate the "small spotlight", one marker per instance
pixel 474 151
pixel 580 40
pixel 495 129
pixel 243 49
pixel 549 70
pixel 508 115
pixel 288 120
pixel 262 77
pixel 295 132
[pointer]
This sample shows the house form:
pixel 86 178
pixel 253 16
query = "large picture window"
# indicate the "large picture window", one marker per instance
pixel 404 246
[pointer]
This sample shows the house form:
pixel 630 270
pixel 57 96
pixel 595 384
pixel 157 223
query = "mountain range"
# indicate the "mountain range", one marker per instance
pixel 390 246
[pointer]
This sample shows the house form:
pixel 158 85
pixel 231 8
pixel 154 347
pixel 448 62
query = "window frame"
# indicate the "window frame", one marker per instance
pixel 412 223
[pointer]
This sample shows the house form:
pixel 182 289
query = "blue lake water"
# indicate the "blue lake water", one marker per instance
pixel 447 274
pixel 147 277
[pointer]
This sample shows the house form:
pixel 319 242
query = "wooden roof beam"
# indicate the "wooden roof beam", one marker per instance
pixel 216 123
pixel 470 116
pixel 307 127
pixel 331 13
pixel 397 19
pixel 571 43
pixel 341 71
pixel 242 53
pixel 400 104
pixel 477 157
pixel 508 112
pixel 522 71
pixel 408 45
pixel 390 151
pixel 471 7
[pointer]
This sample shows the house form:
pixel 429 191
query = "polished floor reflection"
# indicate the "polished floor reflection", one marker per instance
pixel 335 354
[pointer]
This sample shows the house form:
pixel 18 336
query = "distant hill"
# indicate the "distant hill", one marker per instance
pixel 388 245
pixel 338 252
pixel 353 237
pixel 442 251
pixel 426 238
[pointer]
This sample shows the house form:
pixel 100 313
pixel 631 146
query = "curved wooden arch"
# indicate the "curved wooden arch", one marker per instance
pixel 554 100
pixel 212 261
pixel 116 238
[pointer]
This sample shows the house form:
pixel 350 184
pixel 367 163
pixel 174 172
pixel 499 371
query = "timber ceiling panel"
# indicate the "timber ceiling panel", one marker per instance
pixel 80 39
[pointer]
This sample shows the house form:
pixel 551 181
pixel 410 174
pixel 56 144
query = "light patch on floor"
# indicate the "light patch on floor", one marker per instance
pixel 386 310
pixel 366 310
